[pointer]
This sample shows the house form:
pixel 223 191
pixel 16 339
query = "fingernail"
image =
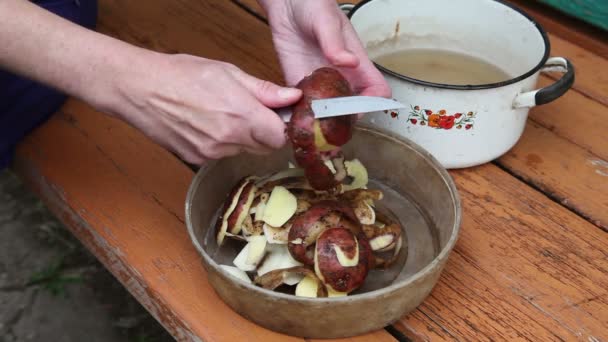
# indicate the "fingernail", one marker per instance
pixel 289 93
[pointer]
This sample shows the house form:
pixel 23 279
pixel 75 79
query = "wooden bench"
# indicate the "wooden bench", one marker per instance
pixel 532 260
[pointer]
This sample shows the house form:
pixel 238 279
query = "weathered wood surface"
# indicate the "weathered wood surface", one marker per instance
pixel 525 266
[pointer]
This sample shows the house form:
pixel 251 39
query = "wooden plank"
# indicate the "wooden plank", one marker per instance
pixel 591 69
pixel 567 173
pixel 211 29
pixel 564 152
pixel 523 268
pixel 577 119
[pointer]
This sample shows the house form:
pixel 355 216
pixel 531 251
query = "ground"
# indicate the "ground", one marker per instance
pixel 51 288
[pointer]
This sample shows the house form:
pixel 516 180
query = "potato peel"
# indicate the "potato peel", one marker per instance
pixel 276 278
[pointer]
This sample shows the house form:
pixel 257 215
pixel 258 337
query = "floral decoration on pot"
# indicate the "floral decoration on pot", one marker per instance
pixel 441 119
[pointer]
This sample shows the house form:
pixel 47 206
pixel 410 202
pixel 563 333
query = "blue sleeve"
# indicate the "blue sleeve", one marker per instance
pixel 25 104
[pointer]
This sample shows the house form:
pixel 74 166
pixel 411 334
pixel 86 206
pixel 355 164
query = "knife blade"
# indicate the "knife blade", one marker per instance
pixel 337 106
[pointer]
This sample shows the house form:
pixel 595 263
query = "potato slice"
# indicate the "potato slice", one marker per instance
pixel 251 228
pixel 273 279
pixel 310 286
pixel 235 272
pixel 382 237
pixel 292 278
pixel 357 195
pixel 332 293
pixel 364 212
pixel 251 253
pixel 307 287
pixel 358 173
pixel 381 262
pixel 236 237
pixel 340 168
pixel 276 235
pixel 303 205
pixel 259 211
pixel 278 258
pixel 381 242
pixel 281 206
pixel 257 249
pixel 330 165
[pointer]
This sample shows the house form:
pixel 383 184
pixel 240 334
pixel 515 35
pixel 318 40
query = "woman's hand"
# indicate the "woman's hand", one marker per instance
pixel 203 109
pixel 199 108
pixel 314 33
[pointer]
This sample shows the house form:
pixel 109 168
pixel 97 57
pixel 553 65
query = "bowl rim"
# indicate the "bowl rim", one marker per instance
pixel 441 256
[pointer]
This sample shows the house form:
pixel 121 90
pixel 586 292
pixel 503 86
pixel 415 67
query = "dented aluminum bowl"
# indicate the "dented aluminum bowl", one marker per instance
pixel 417 189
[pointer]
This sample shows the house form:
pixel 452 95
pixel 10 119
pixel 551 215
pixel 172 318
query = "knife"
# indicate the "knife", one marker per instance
pixel 337 106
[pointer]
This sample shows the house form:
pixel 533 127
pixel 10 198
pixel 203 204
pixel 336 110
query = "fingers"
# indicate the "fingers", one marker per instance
pixel 382 89
pixel 268 93
pixel 372 81
pixel 267 128
pixel 329 34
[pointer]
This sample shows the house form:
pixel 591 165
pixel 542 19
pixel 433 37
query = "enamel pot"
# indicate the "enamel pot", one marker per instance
pixel 461 125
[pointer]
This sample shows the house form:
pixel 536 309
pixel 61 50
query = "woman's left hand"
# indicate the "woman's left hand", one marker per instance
pixel 314 33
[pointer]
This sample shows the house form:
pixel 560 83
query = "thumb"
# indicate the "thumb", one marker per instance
pixel 328 31
pixel 269 94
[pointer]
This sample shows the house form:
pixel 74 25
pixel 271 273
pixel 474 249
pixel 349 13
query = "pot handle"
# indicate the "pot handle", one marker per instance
pixel 346 7
pixel 552 92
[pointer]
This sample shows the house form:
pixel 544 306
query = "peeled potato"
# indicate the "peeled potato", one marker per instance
pixel 236 273
pixel 358 173
pixel 310 286
pixel 281 206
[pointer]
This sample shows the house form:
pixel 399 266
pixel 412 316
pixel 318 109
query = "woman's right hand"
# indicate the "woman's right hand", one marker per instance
pixel 201 109
pixel 198 108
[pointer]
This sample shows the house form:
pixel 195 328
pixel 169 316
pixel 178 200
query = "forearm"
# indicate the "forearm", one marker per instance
pixel 49 49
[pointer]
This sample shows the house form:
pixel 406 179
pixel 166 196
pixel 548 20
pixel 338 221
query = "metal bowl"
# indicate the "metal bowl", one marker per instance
pixel 418 190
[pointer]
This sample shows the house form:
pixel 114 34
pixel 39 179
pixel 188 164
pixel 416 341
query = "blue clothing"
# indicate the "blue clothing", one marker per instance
pixel 25 104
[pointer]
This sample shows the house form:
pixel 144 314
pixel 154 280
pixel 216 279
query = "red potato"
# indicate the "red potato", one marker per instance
pixel 342 259
pixel 317 140
pixel 307 226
